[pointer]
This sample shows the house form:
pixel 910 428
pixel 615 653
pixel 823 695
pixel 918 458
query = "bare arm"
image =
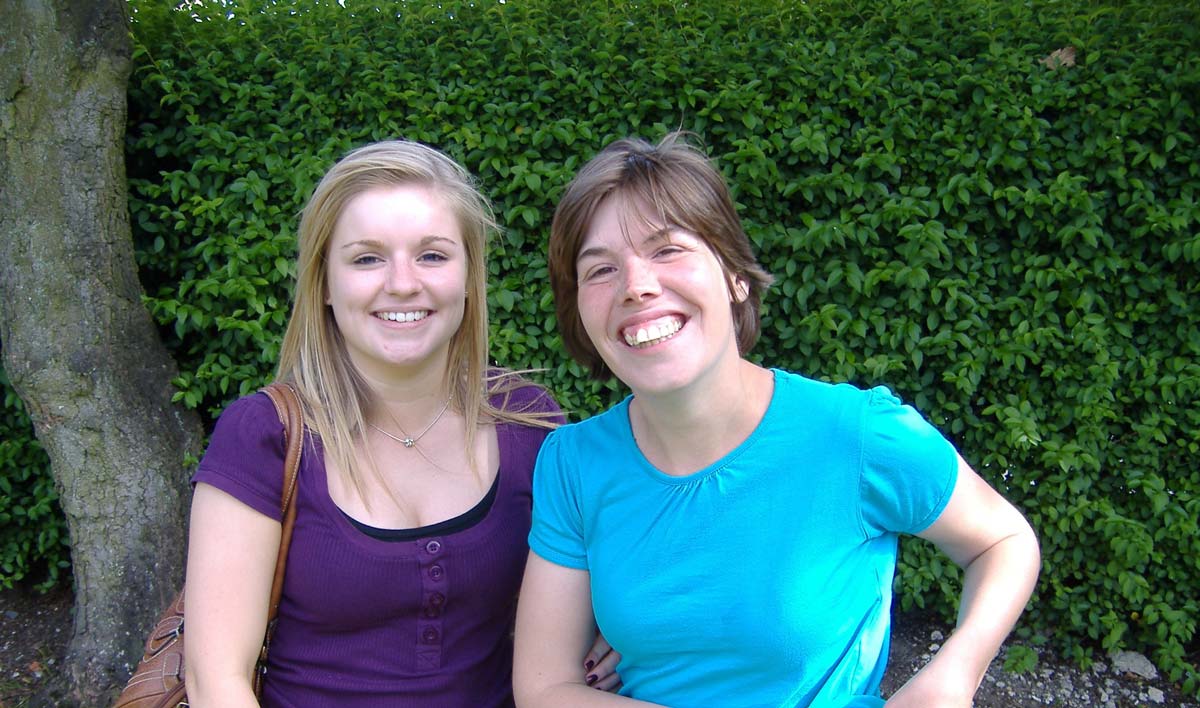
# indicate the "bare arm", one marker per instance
pixel 231 561
pixel 554 632
pixel 997 549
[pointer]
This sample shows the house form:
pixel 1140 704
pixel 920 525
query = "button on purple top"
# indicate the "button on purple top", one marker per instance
pixel 368 623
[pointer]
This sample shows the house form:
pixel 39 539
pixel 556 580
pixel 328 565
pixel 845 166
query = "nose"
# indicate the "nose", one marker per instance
pixel 401 277
pixel 640 279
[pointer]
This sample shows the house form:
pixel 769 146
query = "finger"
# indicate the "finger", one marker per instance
pixel 607 665
pixel 600 649
pixel 611 683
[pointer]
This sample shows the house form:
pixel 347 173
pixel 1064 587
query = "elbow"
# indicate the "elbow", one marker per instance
pixel 1033 549
pixel 1015 557
pixel 200 691
pixel 1019 557
pixel 206 687
pixel 526 690
pixel 531 689
pixel 197 696
pixel 1025 545
pixel 201 694
pixel 522 698
pixel 525 697
pixel 536 698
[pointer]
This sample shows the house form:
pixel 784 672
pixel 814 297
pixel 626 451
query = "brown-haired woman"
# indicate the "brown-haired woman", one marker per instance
pixel 733 527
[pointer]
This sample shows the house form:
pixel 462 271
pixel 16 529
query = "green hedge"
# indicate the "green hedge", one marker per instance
pixel 1011 247
pixel 33 532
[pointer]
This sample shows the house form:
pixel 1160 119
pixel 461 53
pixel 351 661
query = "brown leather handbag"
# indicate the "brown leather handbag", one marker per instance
pixel 158 681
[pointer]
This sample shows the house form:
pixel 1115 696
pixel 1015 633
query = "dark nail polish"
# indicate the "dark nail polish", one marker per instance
pixel 592 678
pixel 587 665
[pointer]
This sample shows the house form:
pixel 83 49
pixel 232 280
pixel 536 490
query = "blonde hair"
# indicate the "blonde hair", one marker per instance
pixel 313 357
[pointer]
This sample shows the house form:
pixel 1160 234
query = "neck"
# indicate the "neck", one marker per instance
pixel 683 431
pixel 408 382
pixel 409 401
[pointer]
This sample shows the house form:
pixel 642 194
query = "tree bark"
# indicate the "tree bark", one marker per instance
pixel 79 346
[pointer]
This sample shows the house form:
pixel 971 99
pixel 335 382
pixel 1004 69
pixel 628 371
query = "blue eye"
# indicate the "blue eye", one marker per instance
pixel 433 257
pixel 366 260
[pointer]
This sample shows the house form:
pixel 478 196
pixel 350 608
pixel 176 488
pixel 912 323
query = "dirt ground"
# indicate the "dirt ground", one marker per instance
pixel 1052 682
pixel 34 630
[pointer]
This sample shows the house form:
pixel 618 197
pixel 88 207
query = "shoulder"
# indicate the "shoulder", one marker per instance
pixel 245 454
pixel 609 428
pixel 856 417
pixel 248 432
pixel 251 413
pixel 884 408
pixel 875 411
pixel 249 424
pixel 796 392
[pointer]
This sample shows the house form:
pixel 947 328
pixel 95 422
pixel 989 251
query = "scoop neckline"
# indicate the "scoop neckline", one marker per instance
pixel 652 471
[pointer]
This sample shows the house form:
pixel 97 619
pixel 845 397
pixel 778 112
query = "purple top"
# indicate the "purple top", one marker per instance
pixel 366 622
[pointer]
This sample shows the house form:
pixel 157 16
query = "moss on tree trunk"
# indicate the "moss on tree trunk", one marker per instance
pixel 79 347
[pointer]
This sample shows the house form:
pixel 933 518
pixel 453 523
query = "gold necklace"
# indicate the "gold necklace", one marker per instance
pixel 411 440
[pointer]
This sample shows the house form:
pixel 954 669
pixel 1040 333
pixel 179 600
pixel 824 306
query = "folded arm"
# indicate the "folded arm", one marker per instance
pixel 554 632
pixel 231 561
pixel 989 538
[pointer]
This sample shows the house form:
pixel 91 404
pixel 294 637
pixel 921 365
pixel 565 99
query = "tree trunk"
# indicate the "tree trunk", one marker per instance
pixel 79 347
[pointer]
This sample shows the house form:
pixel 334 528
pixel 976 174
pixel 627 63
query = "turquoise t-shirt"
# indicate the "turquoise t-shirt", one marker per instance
pixel 765 579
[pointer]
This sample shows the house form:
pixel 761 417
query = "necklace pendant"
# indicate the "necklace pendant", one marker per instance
pixel 410 441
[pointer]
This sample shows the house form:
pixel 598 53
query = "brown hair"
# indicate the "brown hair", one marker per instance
pixel 686 191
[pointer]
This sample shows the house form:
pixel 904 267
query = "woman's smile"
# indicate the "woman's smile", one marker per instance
pixel 654 300
pixel 647 334
pixel 403 316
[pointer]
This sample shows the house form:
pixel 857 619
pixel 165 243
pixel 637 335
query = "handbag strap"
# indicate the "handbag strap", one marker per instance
pixel 287 405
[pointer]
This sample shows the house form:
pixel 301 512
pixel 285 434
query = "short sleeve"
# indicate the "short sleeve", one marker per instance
pixel 557 533
pixel 245 455
pixel 908 467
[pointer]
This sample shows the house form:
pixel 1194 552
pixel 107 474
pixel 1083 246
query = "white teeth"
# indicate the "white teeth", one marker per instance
pixel 652 334
pixel 403 316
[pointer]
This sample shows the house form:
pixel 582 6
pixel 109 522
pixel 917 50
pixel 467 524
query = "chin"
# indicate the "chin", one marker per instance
pixel 646 382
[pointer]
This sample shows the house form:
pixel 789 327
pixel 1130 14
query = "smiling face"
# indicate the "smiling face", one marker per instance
pixel 396 281
pixel 654 301
pixel 674 182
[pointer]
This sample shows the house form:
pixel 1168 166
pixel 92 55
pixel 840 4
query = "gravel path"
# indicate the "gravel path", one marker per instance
pixel 1053 682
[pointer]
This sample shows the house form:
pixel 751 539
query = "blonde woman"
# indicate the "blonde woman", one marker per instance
pixel 414 491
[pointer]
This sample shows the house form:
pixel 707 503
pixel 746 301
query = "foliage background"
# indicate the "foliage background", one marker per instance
pixel 1011 246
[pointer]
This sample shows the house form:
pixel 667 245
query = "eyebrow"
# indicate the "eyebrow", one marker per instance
pixel 661 235
pixel 375 243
